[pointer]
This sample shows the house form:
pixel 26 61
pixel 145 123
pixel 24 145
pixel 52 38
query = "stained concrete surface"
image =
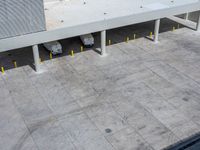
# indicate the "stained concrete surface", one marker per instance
pixel 146 95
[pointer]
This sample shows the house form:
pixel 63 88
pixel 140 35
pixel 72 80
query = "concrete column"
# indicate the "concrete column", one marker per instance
pixel 36 58
pixel 156 30
pixel 198 24
pixel 103 43
pixel 186 16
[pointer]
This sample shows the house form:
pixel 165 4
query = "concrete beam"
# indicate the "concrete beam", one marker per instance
pixel 198 24
pixel 103 43
pixel 156 30
pixel 36 57
pixel 188 23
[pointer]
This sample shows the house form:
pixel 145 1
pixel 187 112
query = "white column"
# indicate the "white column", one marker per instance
pixel 198 23
pixel 103 43
pixel 186 16
pixel 36 57
pixel 156 30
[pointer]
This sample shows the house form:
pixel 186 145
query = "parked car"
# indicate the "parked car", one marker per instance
pixel 87 40
pixel 54 47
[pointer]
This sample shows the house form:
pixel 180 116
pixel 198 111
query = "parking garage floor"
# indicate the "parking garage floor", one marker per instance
pixel 142 96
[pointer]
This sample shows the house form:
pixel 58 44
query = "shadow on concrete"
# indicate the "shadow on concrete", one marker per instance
pixel 191 143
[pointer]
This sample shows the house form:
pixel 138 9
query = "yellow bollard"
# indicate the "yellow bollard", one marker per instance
pixel 15 63
pixel 81 48
pixel 72 53
pixel 134 36
pixel 127 39
pixel 2 70
pixel 173 29
pixel 151 35
pixel 109 42
pixel 50 55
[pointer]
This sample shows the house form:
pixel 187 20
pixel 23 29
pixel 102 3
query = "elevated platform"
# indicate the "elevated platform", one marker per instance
pixel 61 14
pixel 71 18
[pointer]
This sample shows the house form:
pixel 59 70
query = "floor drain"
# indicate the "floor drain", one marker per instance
pixel 108 130
pixel 185 99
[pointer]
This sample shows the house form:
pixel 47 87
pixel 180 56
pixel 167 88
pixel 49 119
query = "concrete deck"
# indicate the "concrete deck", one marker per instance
pixel 142 96
pixel 66 19
pixel 69 13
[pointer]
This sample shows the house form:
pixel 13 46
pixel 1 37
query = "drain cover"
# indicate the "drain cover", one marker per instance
pixel 108 130
pixel 185 99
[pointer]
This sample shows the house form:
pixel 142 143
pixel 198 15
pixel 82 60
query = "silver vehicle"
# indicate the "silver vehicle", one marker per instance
pixel 87 40
pixel 54 47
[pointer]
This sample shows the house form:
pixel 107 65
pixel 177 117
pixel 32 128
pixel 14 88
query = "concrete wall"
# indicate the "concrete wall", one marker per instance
pixel 19 17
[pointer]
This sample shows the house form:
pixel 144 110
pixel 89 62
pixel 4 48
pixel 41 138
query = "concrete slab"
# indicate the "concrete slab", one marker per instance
pixel 101 10
pixel 96 105
pixel 50 136
pixel 128 139
pixel 141 96
pixel 83 133
pixel 110 121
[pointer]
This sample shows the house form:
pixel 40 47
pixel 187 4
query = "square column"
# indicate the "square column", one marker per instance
pixel 156 30
pixel 186 16
pixel 36 57
pixel 103 43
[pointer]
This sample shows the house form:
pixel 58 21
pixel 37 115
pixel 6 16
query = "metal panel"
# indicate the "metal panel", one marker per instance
pixel 36 15
pixel 3 18
pixel 19 17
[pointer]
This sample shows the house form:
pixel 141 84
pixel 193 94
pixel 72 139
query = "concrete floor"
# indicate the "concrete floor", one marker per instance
pixel 142 96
